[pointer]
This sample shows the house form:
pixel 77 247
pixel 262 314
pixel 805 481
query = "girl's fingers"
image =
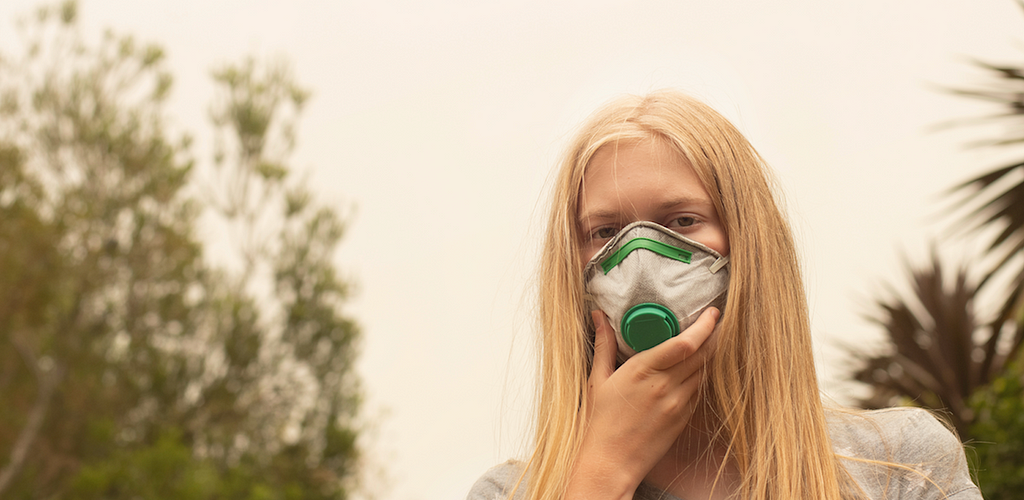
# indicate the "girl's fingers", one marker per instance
pixel 674 351
pixel 604 348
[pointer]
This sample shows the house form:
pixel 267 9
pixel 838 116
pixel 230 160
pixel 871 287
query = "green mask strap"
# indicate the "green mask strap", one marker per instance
pixel 663 249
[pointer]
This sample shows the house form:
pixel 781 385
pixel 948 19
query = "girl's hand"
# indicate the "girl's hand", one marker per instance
pixel 637 411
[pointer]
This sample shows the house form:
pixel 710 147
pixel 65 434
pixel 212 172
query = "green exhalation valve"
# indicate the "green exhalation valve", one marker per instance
pixel 647 325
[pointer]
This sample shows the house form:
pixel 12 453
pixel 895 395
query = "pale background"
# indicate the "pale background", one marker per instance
pixel 439 121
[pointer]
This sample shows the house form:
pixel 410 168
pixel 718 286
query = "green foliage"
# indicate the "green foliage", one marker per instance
pixel 130 366
pixel 169 469
pixel 164 470
pixel 1000 429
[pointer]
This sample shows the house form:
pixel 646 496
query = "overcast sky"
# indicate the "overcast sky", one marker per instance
pixel 439 121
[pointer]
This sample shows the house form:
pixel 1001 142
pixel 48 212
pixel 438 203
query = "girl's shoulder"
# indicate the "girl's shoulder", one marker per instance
pixel 498 482
pixel 900 451
pixel 895 434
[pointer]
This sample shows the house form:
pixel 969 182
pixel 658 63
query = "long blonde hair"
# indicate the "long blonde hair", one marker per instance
pixel 762 375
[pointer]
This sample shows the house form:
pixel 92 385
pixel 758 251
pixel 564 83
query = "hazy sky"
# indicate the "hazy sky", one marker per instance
pixel 439 122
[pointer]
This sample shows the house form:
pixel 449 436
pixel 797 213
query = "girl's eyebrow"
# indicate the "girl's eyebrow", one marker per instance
pixel 685 200
pixel 604 214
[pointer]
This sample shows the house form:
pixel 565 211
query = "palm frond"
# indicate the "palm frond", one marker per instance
pixel 996 205
pixel 932 338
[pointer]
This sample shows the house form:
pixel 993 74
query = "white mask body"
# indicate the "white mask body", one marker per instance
pixel 653 283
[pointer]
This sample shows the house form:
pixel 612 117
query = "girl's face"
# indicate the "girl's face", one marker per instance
pixel 647 180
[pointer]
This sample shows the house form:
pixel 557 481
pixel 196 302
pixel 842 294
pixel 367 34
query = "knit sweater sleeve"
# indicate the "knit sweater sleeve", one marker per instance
pixel 902 454
pixel 498 482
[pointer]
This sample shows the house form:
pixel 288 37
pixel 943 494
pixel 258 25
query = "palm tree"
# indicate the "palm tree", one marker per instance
pixel 932 356
pixel 938 352
pixel 939 355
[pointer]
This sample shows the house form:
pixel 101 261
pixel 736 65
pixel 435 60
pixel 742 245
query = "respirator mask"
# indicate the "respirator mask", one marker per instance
pixel 653 283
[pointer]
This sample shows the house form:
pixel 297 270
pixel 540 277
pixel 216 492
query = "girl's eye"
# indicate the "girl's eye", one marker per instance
pixel 604 233
pixel 683 222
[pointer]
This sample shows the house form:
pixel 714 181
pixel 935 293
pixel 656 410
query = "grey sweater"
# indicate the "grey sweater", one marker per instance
pixel 910 437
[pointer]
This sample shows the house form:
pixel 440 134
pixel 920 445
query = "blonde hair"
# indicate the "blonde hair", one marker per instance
pixel 762 375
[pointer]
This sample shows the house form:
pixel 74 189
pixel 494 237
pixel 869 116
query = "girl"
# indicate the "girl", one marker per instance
pixel 676 359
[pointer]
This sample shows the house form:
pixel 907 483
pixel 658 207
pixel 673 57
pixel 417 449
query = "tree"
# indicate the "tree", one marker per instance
pixel 124 353
pixel 999 425
pixel 999 204
pixel 939 354
pixel 932 347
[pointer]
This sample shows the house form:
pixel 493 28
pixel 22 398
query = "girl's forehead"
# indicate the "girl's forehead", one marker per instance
pixel 633 158
pixel 638 173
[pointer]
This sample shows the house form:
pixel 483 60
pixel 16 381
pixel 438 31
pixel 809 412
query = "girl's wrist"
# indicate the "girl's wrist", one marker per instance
pixel 594 478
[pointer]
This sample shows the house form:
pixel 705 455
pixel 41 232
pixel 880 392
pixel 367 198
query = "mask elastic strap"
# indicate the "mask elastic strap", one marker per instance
pixel 720 263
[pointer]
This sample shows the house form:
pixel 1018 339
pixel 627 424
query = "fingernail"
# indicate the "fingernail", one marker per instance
pixel 594 316
pixel 715 313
